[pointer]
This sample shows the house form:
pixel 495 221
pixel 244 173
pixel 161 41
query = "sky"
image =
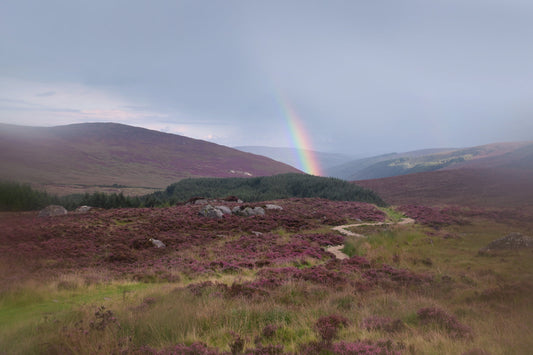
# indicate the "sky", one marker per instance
pixel 361 77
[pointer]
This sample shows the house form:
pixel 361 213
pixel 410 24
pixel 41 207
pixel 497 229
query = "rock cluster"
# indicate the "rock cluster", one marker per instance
pixel 245 211
pixel 511 241
pixel 52 210
pixel 83 209
pixel 248 211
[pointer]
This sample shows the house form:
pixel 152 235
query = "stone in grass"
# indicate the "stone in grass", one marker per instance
pixel 211 212
pixel 512 241
pixel 224 209
pixel 273 207
pixel 157 243
pixel 248 211
pixel 52 210
pixel 83 209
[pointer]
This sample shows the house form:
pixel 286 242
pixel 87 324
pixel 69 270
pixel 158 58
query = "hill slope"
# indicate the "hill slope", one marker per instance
pixel 93 154
pixel 503 180
pixel 379 166
pixel 421 161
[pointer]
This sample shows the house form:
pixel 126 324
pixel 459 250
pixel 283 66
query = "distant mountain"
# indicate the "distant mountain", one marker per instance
pixel 419 161
pixel 384 165
pixel 503 177
pixel 290 155
pixel 106 154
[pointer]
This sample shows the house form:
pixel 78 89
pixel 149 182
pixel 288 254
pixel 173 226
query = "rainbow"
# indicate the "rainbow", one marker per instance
pixel 301 141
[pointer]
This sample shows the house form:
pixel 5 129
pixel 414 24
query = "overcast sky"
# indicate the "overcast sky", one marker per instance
pixel 365 76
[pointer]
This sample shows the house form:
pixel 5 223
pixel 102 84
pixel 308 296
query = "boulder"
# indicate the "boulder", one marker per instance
pixel 273 207
pixel 211 212
pixel 259 211
pixel 157 243
pixel 52 210
pixel 248 211
pixel 83 209
pixel 224 209
pixel 196 201
pixel 511 241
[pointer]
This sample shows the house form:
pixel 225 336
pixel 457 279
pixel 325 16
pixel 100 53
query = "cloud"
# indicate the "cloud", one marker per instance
pixel 47 93
pixel 25 102
pixel 363 75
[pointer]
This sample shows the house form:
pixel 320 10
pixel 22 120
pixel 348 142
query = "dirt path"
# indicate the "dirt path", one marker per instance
pixel 336 250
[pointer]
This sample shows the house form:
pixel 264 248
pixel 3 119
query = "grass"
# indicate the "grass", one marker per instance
pixel 489 294
pixel 393 215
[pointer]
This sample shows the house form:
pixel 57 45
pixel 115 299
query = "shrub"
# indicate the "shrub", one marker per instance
pixel 327 327
pixel 445 320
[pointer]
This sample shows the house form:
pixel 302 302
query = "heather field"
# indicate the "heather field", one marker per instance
pixel 94 283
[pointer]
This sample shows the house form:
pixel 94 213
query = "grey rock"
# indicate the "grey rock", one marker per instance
pixel 511 241
pixel 273 207
pixel 259 211
pixel 83 209
pixel 211 212
pixel 52 210
pixel 224 209
pixel 201 202
pixel 157 243
pixel 248 211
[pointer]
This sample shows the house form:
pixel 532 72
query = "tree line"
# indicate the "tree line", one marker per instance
pixel 268 188
pixel 22 197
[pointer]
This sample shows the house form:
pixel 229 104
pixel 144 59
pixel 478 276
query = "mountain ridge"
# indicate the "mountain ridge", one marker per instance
pixel 394 164
pixel 94 154
pixel 494 180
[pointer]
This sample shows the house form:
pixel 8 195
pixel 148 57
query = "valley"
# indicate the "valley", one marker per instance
pixel 418 263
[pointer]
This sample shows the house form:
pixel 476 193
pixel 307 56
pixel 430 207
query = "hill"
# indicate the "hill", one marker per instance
pixel 496 180
pixel 379 166
pixel 290 156
pixel 421 161
pixel 76 157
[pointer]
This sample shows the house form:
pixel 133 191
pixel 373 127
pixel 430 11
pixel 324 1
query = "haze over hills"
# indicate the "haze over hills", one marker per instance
pixel 372 167
pixel 290 156
pixel 419 161
pixel 501 177
pixel 106 154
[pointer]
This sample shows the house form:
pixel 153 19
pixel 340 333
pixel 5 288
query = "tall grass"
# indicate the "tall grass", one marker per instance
pixel 489 295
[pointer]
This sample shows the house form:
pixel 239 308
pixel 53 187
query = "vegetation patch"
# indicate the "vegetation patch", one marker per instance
pixel 93 283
